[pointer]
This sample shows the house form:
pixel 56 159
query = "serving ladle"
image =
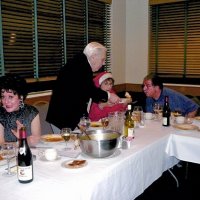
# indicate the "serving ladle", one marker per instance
pixel 83 130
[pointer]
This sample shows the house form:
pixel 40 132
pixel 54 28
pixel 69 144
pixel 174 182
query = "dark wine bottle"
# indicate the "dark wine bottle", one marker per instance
pixel 166 112
pixel 24 159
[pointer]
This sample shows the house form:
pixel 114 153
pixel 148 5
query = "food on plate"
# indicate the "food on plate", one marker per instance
pixel 1 157
pixel 52 138
pixel 127 95
pixel 75 164
pixel 186 126
pixel 95 124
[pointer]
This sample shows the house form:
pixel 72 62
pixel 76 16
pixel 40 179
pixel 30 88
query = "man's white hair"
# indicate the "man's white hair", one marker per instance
pixel 92 48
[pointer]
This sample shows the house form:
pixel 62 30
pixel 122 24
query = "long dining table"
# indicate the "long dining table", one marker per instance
pixel 123 175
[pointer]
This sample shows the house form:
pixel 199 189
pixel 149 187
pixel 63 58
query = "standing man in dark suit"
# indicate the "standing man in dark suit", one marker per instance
pixel 74 87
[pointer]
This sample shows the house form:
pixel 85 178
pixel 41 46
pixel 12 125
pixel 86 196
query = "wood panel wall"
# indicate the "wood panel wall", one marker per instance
pixel 184 89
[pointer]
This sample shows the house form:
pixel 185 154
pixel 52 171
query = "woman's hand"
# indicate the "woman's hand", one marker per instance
pixel 16 131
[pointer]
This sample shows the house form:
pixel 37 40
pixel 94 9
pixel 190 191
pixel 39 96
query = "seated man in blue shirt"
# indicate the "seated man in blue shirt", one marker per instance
pixel 155 93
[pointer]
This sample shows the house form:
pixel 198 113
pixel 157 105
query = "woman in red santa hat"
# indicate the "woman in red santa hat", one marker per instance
pixel 105 81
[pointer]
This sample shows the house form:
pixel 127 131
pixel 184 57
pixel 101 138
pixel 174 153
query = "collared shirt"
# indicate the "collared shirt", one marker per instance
pixel 177 101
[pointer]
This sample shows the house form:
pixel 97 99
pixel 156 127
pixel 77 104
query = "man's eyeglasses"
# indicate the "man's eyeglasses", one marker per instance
pixel 147 86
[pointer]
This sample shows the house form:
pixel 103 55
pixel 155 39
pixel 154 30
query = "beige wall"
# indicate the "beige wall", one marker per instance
pixel 118 41
pixel 129 40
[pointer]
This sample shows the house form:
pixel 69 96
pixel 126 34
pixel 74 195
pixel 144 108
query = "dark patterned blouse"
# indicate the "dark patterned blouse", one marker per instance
pixel 8 120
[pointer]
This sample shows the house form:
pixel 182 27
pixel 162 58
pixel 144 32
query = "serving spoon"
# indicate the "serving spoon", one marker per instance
pixel 83 130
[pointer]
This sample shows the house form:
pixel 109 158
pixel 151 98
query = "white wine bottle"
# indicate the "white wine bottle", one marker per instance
pixel 129 123
pixel 166 112
pixel 24 159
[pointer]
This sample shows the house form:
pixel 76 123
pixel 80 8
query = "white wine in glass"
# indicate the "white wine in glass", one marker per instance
pixel 66 134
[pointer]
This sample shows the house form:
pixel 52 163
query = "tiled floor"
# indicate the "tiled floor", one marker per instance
pixel 165 187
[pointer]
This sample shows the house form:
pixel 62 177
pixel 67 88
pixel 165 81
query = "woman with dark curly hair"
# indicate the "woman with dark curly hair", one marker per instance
pixel 14 113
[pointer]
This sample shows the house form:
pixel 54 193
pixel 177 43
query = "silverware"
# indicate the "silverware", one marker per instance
pixel 40 147
pixel 83 130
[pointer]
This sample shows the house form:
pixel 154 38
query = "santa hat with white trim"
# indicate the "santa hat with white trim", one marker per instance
pixel 101 77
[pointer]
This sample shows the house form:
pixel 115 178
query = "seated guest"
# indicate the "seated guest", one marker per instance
pixel 105 81
pixel 155 93
pixel 14 113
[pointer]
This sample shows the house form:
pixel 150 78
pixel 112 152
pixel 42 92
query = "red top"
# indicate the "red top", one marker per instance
pixel 95 113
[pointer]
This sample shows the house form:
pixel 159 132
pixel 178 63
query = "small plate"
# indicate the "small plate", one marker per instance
pixel 123 100
pixel 186 126
pixel 197 117
pixel 4 161
pixel 42 158
pixel 52 138
pixel 74 164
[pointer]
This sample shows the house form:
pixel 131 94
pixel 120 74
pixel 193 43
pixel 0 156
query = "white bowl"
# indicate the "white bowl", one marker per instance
pixel 148 115
pixel 180 120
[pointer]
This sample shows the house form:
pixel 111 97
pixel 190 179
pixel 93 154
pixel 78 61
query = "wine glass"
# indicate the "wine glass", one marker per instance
pixel 66 134
pixel 84 123
pixel 157 108
pixel 8 152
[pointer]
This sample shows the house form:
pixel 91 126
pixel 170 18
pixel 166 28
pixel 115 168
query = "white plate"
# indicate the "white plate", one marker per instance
pixel 42 158
pixel 123 100
pixel 74 164
pixel 4 162
pixel 197 117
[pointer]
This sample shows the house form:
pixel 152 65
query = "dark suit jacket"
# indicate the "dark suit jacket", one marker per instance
pixel 74 86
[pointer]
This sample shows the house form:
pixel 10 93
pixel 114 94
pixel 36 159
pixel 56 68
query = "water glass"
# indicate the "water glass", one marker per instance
pixel 137 115
pixel 85 122
pixel 116 121
pixel 8 152
pixel 157 108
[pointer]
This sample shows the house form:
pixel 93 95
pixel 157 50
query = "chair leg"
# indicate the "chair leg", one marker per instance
pixel 186 170
pixel 172 174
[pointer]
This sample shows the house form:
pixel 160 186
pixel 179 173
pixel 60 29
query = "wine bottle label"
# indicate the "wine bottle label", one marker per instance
pixel 25 173
pixel 22 150
pixel 165 121
pixel 130 132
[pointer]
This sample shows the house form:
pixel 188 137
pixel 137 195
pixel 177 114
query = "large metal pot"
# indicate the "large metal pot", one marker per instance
pixel 102 143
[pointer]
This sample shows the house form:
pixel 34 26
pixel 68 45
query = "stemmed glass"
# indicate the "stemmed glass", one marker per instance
pixel 66 134
pixel 8 152
pixel 84 123
pixel 157 108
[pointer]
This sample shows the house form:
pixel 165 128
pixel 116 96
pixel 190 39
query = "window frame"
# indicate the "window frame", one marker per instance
pixel 162 61
pixel 37 81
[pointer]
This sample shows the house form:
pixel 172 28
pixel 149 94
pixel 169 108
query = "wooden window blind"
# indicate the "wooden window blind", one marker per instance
pixel 175 41
pixel 39 36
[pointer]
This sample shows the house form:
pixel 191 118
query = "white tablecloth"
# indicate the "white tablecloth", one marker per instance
pixel 185 145
pixel 123 176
